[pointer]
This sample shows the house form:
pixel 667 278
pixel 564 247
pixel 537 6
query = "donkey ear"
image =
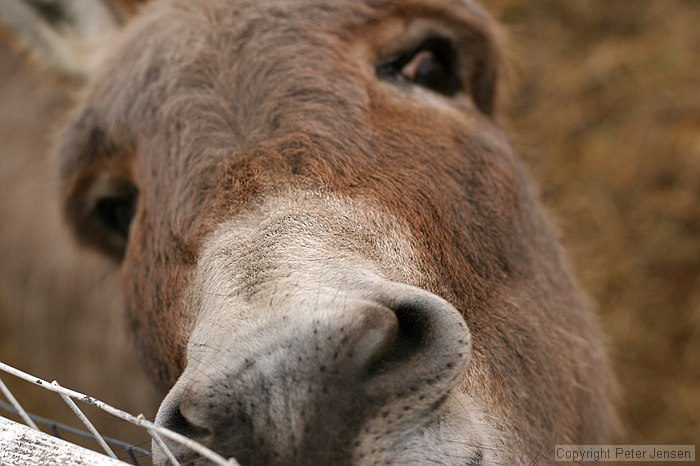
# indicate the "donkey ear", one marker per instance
pixel 63 35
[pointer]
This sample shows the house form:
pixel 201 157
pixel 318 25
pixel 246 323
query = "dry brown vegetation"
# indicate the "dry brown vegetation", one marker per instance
pixel 604 105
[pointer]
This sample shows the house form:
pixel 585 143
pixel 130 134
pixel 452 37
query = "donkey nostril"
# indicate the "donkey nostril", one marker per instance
pixel 374 334
pixel 413 333
pixel 177 422
pixel 430 349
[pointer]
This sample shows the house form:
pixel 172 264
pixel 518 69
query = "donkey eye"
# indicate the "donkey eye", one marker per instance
pixel 116 211
pixel 431 65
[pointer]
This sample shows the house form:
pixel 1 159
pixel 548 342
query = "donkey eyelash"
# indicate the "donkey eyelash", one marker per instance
pixel 432 64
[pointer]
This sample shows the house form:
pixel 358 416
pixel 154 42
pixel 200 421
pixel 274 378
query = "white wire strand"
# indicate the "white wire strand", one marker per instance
pixel 13 401
pixel 139 421
pixel 83 418
pixel 163 447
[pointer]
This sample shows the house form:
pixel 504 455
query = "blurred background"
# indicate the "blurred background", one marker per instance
pixel 603 103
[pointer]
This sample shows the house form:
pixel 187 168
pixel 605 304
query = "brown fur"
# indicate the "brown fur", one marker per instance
pixel 283 94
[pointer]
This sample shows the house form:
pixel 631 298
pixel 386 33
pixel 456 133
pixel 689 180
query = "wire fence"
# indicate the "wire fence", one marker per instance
pixel 58 430
pixel 157 433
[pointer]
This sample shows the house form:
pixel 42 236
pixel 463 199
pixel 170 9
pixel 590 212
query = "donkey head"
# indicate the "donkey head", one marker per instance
pixel 328 248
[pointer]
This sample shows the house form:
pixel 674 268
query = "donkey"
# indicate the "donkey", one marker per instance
pixel 328 252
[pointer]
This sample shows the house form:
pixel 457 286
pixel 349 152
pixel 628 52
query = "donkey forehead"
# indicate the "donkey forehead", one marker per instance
pixel 240 64
pixel 189 84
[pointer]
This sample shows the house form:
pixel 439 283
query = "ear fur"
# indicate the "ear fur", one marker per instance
pixel 62 35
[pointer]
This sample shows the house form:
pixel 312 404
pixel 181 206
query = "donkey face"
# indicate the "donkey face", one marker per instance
pixel 328 248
